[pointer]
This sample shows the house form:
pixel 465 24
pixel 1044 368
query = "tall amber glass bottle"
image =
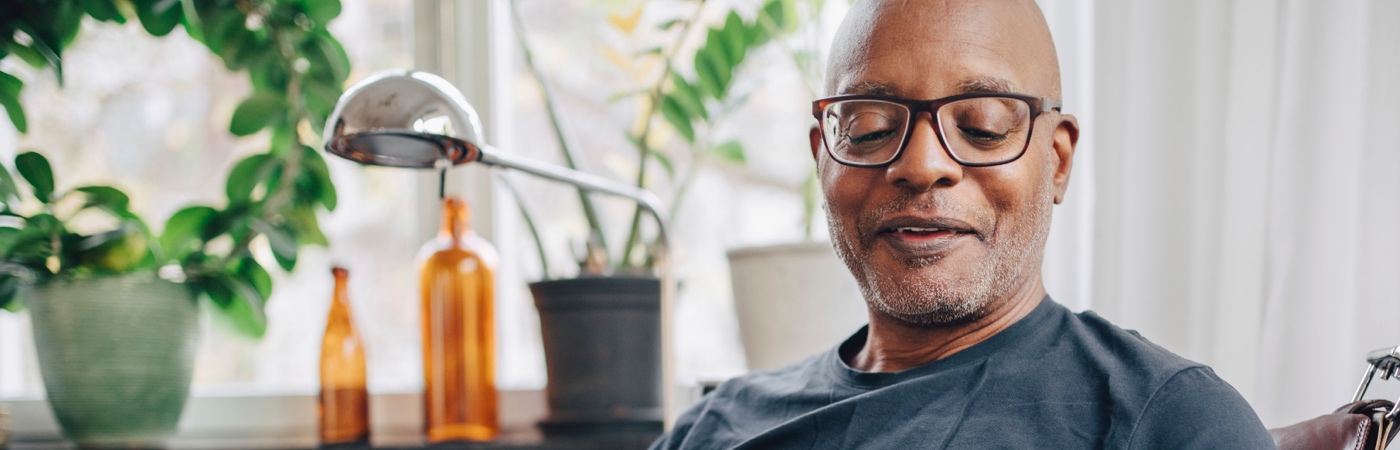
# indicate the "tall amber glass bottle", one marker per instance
pixel 344 402
pixel 457 272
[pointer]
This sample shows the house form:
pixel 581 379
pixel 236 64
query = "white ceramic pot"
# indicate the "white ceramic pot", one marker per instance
pixel 793 301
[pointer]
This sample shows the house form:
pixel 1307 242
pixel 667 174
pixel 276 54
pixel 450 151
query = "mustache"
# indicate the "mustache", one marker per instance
pixel 931 204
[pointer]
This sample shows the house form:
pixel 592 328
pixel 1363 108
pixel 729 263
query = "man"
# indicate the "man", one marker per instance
pixel 941 208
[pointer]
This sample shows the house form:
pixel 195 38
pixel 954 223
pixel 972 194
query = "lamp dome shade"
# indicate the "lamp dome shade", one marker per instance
pixel 404 118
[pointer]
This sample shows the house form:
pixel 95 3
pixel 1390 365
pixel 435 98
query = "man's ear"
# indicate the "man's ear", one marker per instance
pixel 1065 138
pixel 815 136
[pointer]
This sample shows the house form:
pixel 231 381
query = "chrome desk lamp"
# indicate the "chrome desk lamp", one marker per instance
pixel 418 120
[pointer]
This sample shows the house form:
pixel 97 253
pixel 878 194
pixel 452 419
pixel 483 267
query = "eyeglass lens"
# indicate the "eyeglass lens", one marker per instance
pixel 982 130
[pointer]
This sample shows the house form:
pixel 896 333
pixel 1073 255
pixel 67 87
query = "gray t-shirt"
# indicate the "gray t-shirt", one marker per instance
pixel 1054 379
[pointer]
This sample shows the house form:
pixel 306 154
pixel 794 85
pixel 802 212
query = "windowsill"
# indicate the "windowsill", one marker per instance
pixel 284 420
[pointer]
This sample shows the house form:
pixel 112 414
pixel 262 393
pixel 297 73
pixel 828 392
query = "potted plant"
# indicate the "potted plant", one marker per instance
pixel 599 328
pixel 113 302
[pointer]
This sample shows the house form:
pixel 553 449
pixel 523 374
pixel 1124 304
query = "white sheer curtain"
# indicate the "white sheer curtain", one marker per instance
pixel 1237 192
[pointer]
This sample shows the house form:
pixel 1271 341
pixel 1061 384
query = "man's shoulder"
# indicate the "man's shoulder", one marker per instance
pixel 1112 349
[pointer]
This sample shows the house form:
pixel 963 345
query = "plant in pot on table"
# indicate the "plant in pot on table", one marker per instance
pixel 113 302
pixel 600 328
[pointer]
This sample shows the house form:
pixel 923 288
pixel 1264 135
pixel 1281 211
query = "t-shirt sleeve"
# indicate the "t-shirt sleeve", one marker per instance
pixel 1195 409
pixel 673 439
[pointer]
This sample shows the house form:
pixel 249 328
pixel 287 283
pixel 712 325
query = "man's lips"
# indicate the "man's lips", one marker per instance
pixel 923 236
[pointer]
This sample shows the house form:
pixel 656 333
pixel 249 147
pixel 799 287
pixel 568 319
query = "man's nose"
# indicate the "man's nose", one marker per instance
pixel 924 163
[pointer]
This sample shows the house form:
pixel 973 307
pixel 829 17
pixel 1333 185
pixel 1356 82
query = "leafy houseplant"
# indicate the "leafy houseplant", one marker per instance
pixel 610 380
pixel 296 68
pixel 115 340
pixel 691 106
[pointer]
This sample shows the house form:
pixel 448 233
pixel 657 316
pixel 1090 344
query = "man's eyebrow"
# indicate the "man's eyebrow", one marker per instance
pixel 986 85
pixel 871 88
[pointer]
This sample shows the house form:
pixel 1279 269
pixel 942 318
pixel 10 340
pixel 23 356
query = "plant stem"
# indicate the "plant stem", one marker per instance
pixel 595 225
pixel 529 222
pixel 635 229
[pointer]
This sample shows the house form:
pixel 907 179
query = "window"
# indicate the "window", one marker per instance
pixel 162 135
pixel 151 116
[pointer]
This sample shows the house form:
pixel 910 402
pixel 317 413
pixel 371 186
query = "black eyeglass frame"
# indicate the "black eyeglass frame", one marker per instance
pixel 1037 105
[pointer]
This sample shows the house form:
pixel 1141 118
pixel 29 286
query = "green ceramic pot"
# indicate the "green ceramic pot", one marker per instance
pixel 117 355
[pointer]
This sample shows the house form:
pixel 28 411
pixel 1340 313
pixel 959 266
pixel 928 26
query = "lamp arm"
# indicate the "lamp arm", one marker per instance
pixel 652 204
pixel 648 201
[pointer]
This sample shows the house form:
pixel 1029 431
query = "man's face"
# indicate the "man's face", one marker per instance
pixel 929 240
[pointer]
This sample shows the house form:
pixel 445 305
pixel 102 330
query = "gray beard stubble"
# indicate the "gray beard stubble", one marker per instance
pixel 1013 249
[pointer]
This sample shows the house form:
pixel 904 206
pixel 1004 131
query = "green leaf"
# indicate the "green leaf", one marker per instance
pixel 757 33
pixel 269 76
pixel 217 290
pixel 307 229
pixel 782 13
pixel 665 162
pixel 248 270
pixel 626 94
pixel 286 262
pixel 707 74
pixel 31 242
pixel 9 190
pixel 320 100
pixel 8 237
pixel 282 241
pixel 722 68
pixel 218 23
pixel 232 220
pixel 257 112
pixel 242 48
pixel 322 11
pixel 36 170
pixel 47 46
pixel 9 98
pixel 9 293
pixel 122 250
pixel 184 231
pixel 713 70
pixel 328 59
pixel 108 198
pixel 734 38
pixel 675 114
pixel 316 168
pixel 245 308
pixel 189 17
pixel 103 10
pixel 158 17
pixel 663 26
pixel 730 151
pixel 27 54
pixel 246 175
pixel 658 50
pixel 688 97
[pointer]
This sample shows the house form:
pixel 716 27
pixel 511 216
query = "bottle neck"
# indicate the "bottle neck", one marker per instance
pixel 456 219
pixel 340 297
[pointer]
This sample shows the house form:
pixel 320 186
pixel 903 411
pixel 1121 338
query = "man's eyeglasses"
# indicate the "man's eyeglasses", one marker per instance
pixel 980 129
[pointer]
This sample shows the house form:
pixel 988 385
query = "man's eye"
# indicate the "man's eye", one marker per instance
pixel 981 136
pixel 871 137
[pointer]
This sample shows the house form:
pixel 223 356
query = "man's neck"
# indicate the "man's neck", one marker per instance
pixel 892 345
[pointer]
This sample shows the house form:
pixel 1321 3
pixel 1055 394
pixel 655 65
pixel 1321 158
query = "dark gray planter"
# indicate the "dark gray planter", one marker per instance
pixel 117 356
pixel 602 346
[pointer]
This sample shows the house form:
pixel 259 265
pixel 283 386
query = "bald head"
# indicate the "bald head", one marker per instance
pixel 969 45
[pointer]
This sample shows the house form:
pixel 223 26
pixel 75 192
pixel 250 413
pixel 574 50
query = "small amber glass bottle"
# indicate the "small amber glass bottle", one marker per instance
pixel 344 401
pixel 457 271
